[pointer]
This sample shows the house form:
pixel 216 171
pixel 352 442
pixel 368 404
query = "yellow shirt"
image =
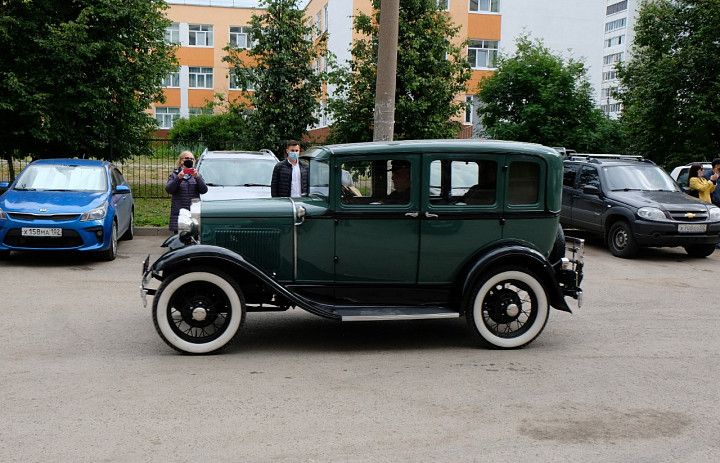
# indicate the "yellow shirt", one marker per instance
pixel 703 186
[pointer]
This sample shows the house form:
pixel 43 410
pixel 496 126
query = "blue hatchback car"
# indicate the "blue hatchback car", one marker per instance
pixel 66 205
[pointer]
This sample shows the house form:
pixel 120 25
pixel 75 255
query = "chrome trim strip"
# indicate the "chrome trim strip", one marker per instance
pixel 295 245
pixel 365 318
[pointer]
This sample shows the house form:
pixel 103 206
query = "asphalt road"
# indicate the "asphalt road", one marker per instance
pixel 632 376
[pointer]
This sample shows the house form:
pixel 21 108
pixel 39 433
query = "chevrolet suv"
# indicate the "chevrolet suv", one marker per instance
pixel 630 202
pixel 389 231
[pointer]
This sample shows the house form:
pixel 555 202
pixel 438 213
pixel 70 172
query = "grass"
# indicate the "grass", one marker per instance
pixel 152 212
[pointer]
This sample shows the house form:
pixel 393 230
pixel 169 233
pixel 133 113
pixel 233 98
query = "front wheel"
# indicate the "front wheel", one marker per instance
pixel 621 241
pixel 700 250
pixel 509 308
pixel 198 312
pixel 111 252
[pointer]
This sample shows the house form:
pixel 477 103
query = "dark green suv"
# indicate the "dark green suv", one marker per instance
pixel 389 231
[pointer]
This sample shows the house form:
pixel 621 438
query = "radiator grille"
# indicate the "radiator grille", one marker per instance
pixel 259 246
pixel 688 216
pixel 53 217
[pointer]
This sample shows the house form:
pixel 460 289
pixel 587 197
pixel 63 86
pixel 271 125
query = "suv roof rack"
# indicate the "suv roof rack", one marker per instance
pixel 596 158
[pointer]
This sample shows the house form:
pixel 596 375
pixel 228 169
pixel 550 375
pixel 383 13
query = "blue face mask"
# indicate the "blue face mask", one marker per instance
pixel 293 155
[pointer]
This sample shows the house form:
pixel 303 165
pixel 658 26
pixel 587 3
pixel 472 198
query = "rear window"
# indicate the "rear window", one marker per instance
pixel 524 183
pixel 237 172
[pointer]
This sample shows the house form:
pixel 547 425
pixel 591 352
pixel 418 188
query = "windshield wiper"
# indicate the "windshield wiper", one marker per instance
pixel 212 184
pixel 56 189
pixel 25 189
pixel 627 189
pixel 253 184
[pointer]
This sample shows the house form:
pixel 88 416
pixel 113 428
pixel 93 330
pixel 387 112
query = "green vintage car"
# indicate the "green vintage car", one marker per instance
pixel 388 231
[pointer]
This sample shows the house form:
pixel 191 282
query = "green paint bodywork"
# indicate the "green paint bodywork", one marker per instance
pixel 381 244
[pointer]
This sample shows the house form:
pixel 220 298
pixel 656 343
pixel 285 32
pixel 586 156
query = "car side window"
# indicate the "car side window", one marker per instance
pixel 569 174
pixel 523 183
pixel 589 177
pixel 682 179
pixel 376 182
pixel 117 178
pixel 462 182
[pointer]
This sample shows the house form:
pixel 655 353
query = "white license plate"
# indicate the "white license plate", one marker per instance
pixel 41 231
pixel 692 228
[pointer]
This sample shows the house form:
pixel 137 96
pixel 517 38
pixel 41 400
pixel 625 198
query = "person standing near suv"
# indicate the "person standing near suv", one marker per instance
pixel 698 182
pixel 715 195
pixel 290 178
pixel 183 184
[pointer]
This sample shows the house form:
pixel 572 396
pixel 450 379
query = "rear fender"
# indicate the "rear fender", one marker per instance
pixel 519 255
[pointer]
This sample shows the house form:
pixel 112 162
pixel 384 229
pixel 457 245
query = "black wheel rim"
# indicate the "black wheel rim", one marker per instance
pixel 620 239
pixel 509 308
pixel 199 312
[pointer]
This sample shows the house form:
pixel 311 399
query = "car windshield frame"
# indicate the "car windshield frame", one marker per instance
pixel 319 177
pixel 62 177
pixel 640 177
pixel 237 172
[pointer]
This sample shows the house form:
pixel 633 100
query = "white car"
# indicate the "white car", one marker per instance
pixel 680 174
pixel 236 174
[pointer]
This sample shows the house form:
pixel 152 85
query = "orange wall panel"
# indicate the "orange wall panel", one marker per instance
pixel 172 97
pixel 195 56
pixel 484 26
pixel 198 98
pixel 477 76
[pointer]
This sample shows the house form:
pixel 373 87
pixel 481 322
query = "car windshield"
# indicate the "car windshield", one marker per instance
pixel 237 171
pixel 319 177
pixel 639 177
pixel 57 177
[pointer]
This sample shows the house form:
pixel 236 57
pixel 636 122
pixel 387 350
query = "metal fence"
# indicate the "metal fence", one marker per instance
pixel 145 174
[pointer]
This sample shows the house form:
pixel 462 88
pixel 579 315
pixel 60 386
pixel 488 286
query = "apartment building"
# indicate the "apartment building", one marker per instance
pixel 573 28
pixel 618 37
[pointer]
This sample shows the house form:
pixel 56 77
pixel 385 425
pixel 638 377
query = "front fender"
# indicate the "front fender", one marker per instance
pixel 235 264
pixel 514 254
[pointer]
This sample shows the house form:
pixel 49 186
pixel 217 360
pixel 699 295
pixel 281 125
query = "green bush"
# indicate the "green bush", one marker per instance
pixel 215 131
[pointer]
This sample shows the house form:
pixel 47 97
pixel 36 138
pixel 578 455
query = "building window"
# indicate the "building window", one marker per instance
pixel 200 35
pixel 482 54
pixel 172 33
pixel 614 58
pixel 443 4
pixel 198 111
pixel 482 6
pixel 616 7
pixel 234 85
pixel 609 75
pixel 201 77
pixel 611 108
pixel 166 116
pixel 240 37
pixel 608 92
pixel 615 25
pixel 172 80
pixel 613 41
pixel 469 109
pixel 318 21
pixel 325 9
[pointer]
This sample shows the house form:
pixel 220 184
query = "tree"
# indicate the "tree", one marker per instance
pixel 224 131
pixel 431 72
pixel 538 97
pixel 279 67
pixel 76 78
pixel 670 88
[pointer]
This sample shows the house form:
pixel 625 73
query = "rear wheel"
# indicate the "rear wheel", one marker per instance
pixel 621 241
pixel 700 250
pixel 198 312
pixel 130 232
pixel 509 308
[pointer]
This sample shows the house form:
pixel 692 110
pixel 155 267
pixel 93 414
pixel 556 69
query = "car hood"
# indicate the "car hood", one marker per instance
pixel 670 200
pixel 55 202
pixel 216 193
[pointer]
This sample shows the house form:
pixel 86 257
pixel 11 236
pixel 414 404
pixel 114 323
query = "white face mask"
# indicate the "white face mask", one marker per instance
pixel 293 155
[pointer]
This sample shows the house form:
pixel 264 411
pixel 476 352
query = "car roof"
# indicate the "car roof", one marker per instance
pixel 421 147
pixel 239 155
pixel 73 161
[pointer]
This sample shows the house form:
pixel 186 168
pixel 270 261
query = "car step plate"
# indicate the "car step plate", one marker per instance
pixel 360 314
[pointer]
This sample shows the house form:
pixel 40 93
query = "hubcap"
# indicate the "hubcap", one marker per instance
pixel 620 239
pixel 199 314
pixel 512 310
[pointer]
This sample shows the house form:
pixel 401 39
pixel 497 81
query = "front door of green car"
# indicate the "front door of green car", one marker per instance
pixel 377 220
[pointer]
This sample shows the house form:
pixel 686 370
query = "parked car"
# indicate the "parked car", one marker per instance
pixel 630 202
pixel 680 175
pixel 489 253
pixel 66 204
pixel 236 174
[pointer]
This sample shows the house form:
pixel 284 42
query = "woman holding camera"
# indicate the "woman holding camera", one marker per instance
pixel 697 182
pixel 183 184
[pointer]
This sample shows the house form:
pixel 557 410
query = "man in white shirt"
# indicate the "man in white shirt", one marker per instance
pixel 290 177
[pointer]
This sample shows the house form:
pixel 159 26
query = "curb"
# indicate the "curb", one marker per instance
pixel 152 231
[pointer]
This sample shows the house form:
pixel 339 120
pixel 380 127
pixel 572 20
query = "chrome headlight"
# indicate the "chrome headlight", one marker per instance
pixel 713 213
pixel 185 221
pixel 96 214
pixel 651 213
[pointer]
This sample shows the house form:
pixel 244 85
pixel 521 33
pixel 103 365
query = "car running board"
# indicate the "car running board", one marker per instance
pixel 362 314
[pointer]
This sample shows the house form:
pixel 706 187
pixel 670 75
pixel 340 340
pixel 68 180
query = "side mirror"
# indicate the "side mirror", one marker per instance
pixel 4 186
pixel 591 190
pixel 122 189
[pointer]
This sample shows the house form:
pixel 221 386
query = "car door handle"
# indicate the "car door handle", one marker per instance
pixel 411 214
pixel 428 215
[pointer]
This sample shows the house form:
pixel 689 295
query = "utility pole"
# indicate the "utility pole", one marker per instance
pixel 384 119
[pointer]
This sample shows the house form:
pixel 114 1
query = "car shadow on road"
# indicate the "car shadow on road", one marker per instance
pixel 51 259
